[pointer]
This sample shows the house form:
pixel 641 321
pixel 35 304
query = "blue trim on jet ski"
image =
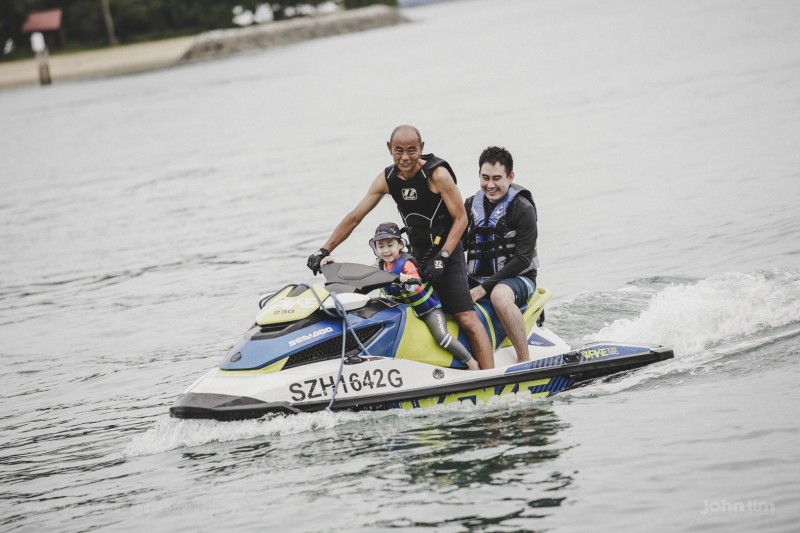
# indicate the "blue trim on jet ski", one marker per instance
pixel 258 353
pixel 587 353
pixel 536 340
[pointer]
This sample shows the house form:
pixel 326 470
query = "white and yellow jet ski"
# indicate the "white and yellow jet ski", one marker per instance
pixel 333 346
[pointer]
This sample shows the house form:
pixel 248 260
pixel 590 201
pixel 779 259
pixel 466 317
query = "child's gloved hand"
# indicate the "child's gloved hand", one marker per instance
pixel 409 284
pixel 412 285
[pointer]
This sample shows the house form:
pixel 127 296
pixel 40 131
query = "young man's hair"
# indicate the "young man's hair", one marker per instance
pixel 496 154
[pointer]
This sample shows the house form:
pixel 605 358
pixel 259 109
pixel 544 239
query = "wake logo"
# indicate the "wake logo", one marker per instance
pixel 409 194
pixel 600 352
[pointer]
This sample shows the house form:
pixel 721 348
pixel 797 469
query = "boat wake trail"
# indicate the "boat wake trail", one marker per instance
pixel 705 321
pixel 170 433
pixel 374 428
pixel 722 309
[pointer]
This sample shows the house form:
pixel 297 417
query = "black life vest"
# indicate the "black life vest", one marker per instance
pixel 424 213
pixel 489 239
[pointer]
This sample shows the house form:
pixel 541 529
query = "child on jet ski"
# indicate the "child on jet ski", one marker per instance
pixel 388 245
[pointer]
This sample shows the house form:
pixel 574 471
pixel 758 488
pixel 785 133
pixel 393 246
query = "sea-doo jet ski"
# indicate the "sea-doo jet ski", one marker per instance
pixel 333 346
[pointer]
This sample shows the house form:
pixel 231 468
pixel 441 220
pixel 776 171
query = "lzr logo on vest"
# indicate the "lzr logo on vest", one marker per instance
pixel 409 194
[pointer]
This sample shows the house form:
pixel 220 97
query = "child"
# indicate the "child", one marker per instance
pixel 388 246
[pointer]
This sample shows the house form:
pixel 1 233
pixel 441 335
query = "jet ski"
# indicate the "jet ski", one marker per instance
pixel 342 346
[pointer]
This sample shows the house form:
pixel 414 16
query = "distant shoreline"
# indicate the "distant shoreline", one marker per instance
pixel 141 57
pixel 219 43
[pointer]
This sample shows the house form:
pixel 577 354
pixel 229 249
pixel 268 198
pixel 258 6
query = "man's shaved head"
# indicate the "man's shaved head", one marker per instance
pixel 405 129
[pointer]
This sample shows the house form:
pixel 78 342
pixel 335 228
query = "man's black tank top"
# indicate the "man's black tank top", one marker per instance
pixel 424 212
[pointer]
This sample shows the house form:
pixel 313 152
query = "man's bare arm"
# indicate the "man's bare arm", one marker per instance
pixel 351 220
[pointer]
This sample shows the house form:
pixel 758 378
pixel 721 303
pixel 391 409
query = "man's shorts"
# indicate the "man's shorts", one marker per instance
pixel 453 287
pixel 523 288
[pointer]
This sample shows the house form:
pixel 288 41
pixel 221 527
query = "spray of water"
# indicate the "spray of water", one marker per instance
pixel 706 321
pixel 170 434
pixel 725 308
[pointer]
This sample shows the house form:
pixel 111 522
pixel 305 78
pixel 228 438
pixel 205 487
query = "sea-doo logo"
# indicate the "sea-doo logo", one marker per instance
pixel 312 335
pixel 409 194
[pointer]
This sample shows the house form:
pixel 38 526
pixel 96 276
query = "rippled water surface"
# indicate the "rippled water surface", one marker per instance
pixel 142 216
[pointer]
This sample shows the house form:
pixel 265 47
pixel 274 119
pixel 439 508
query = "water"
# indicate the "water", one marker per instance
pixel 142 216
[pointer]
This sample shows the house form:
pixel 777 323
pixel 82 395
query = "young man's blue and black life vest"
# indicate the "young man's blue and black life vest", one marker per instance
pixel 424 213
pixel 489 239
pixel 421 302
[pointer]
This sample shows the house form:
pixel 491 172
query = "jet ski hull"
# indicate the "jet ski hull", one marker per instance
pixel 381 383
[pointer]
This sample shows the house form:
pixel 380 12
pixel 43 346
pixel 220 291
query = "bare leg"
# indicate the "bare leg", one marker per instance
pixel 477 337
pixel 503 301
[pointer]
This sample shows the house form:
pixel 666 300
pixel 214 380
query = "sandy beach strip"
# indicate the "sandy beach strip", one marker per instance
pixel 125 59
pixel 132 58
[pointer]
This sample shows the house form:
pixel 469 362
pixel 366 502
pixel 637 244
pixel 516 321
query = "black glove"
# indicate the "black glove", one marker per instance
pixel 315 258
pixel 412 285
pixel 433 268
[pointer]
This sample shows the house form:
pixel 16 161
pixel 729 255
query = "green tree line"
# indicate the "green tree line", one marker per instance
pixel 137 20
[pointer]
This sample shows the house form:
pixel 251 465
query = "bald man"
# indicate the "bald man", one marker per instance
pixel 424 189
